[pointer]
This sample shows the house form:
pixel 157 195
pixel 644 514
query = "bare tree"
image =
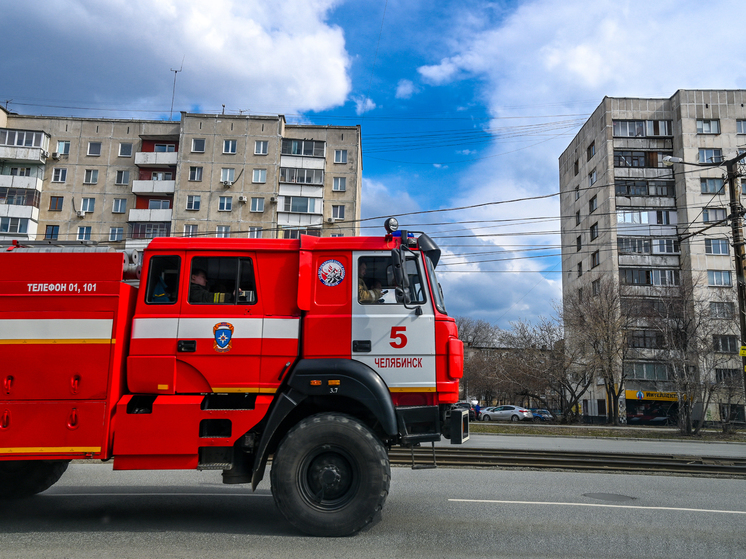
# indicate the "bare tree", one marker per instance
pixel 597 328
pixel 479 337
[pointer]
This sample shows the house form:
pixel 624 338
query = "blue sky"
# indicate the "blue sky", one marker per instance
pixel 461 102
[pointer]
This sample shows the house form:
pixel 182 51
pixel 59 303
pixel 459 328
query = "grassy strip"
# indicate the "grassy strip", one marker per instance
pixel 599 431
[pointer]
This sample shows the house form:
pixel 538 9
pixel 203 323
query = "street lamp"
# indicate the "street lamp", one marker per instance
pixel 739 249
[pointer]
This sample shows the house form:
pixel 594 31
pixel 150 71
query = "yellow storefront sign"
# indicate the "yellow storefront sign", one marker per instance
pixel 648 395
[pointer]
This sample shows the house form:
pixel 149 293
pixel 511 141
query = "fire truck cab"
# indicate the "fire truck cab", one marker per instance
pixel 319 353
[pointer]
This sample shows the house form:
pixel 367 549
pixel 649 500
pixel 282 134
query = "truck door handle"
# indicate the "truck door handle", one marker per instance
pixel 187 346
pixel 361 346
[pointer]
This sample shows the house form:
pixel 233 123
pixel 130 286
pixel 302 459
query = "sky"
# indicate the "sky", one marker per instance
pixel 465 106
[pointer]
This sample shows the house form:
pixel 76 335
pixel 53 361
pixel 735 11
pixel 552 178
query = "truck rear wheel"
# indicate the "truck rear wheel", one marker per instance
pixel 330 475
pixel 24 478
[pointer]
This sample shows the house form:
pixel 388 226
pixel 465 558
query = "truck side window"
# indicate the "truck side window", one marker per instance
pixel 376 281
pixel 222 281
pixel 163 280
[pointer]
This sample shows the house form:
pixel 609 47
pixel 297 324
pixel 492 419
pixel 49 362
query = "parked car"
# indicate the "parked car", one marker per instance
pixel 506 413
pixel 541 415
pixel 467 406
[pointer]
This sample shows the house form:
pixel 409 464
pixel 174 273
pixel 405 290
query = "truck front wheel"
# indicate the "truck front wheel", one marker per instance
pixel 330 475
pixel 24 478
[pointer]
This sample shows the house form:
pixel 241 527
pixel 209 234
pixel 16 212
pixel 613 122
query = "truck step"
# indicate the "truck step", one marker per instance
pixel 215 466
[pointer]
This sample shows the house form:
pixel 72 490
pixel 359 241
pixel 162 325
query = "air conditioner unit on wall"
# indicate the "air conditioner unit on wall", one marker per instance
pixel 55 155
pixel 227 184
pixel 330 220
pixel 81 213
pixel 273 199
pixel 243 199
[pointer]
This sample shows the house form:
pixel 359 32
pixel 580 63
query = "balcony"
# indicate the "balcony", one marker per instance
pixel 14 181
pixel 22 212
pixel 153 187
pixel 288 219
pixel 150 215
pixel 300 162
pixel 16 154
pixel 156 159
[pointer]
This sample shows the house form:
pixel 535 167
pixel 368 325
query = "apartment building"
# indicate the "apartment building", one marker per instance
pixel 124 182
pixel 626 215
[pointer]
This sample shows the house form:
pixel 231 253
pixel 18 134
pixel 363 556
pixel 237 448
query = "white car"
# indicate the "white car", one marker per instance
pixel 507 413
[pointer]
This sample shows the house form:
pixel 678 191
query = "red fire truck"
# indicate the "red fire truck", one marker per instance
pixel 319 353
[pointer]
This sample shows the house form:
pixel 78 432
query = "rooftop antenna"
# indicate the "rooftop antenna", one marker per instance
pixel 173 93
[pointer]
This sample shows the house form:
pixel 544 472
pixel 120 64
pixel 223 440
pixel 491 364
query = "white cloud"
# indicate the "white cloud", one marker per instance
pixel 248 54
pixel 440 166
pixel 405 89
pixel 466 151
pixel 363 104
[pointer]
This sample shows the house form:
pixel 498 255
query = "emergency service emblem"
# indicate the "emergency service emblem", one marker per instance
pixel 331 273
pixel 223 332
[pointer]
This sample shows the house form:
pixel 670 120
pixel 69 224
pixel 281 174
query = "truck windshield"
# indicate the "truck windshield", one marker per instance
pixel 437 291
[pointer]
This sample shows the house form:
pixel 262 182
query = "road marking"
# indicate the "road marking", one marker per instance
pixel 156 495
pixel 593 505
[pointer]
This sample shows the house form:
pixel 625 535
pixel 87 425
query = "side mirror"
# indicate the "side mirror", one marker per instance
pixel 401 278
pixel 402 296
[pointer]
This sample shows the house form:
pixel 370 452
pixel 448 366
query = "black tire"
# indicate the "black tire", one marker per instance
pixel 330 475
pixel 485 418
pixel 24 478
pixel 514 418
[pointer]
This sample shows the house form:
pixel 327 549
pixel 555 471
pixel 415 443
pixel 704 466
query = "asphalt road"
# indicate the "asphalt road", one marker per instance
pixel 94 512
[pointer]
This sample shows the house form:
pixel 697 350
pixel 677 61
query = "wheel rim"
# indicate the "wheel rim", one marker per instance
pixel 514 418
pixel 329 478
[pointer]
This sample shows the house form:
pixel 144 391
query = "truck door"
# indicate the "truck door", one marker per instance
pixel 395 341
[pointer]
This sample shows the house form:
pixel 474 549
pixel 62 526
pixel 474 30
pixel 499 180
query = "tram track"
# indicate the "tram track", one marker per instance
pixel 579 461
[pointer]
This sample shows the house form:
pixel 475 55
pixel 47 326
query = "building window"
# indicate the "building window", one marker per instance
pixel 641 128
pixel 20 171
pixel 257 205
pixel 725 344
pixel 190 230
pixel 710 155
pixel 91 176
pixel 303 176
pixel 338 212
pixel 225 203
pixel 123 177
pixel 741 126
pixel 13 225
pixel 227 175
pixel 255 232
pixel 193 202
pixel 63 147
pixel 595 259
pixel 712 186
pixel 708 127
pixel 722 309
pixel 125 150
pixel 120 206
pixel 52 233
pixel 198 145
pixel 592 177
pixel 149 230
pixel 625 158
pixel 596 287
pixel 647 339
pixel 647 371
pixel 55 203
pixel 644 188
pixel 88 205
pixel 641 276
pixel 229 146
pixel 716 246
pixel 594 231
pixel 94 149
pixel 591 151
pixel 580 269
pixel 577 217
pixel 665 246
pixel 164 148
pixel 223 231
pixel 261 147
pixel 259 176
pixel 593 204
pixel 300 204
pixel 159 204
pixel 631 245
pixel 305 147
pixel 337 235
pixel 578 243
pixel 59 175
pixel 116 233
pixel 577 193
pixel 710 215
pixel 162 176
pixel 340 156
pixel 727 376
pixel 84 233
pixel 634 216
pixel 718 278
pixel 195 173
pixel 576 167
pixel 340 184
